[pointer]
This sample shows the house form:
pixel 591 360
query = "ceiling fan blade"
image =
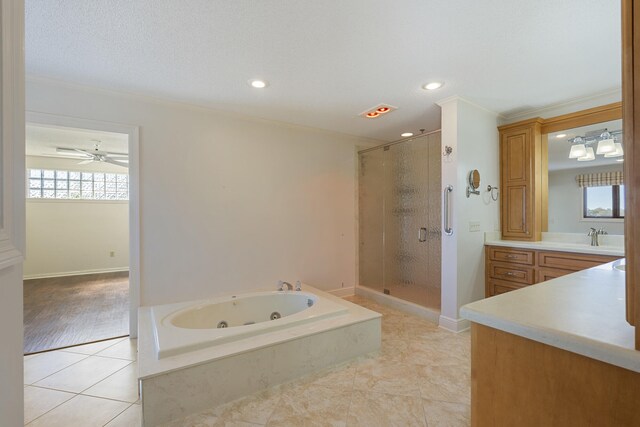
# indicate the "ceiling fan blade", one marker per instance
pixel 117 156
pixel 84 162
pixel 73 152
pixel 123 163
pixel 113 154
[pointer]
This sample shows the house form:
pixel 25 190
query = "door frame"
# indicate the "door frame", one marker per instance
pixel 132 131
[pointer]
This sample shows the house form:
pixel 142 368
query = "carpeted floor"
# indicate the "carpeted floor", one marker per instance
pixel 64 311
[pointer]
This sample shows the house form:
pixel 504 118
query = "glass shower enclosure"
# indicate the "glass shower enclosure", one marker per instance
pixel 399 220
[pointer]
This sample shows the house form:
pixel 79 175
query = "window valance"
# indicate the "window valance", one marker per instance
pixel 600 179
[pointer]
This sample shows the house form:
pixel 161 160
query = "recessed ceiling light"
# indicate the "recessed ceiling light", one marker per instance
pixel 373 114
pixel 258 84
pixel 561 135
pixel 432 86
pixel 406 135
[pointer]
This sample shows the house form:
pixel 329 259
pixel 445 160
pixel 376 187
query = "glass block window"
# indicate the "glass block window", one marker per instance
pixel 60 184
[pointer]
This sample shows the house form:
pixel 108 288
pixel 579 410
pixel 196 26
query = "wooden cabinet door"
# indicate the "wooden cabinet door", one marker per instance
pixel 516 167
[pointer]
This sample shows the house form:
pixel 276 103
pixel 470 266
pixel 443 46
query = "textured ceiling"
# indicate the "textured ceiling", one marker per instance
pixel 327 61
pixel 43 140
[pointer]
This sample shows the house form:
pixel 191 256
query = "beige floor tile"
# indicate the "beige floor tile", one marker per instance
pixel 201 419
pixel 381 376
pixel 131 417
pixel 38 401
pixel 44 364
pixel 256 408
pixel 385 410
pixel 449 383
pixel 92 348
pixel 82 411
pixel 84 374
pixel 446 414
pixel 121 385
pixel 312 406
pixel 125 349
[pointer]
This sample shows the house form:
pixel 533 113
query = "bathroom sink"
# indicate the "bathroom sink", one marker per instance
pixel 621 267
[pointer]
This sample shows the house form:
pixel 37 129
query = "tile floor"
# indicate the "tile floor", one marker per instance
pixel 421 377
pixel 84 386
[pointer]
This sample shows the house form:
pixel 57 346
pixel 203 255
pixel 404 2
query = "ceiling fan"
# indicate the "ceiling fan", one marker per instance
pixel 95 155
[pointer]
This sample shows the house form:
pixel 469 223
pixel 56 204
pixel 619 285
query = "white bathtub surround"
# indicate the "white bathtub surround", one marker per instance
pixel 565 242
pixel 583 312
pixel 399 304
pixel 176 386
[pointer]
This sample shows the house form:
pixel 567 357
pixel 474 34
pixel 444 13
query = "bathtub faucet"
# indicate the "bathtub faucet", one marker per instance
pixel 282 284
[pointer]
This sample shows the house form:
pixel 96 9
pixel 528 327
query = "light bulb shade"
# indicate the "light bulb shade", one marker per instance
pixel 588 157
pixel 618 151
pixel 577 150
pixel 606 146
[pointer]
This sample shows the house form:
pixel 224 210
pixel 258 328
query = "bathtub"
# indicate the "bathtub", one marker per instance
pixel 196 355
pixel 185 327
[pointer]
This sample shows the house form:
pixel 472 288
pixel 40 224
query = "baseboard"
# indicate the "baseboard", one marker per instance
pixel 342 292
pixel 400 304
pixel 454 325
pixel 75 273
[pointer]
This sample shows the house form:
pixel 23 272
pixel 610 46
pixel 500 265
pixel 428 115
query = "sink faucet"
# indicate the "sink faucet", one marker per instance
pixel 282 284
pixel 593 233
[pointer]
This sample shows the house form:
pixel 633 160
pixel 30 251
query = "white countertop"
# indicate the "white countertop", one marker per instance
pixel 583 312
pixel 564 242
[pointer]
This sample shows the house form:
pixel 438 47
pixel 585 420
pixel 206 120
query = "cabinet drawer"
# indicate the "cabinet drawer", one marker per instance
pixel 520 256
pixel 497 287
pixel 571 261
pixel 512 273
pixel 545 274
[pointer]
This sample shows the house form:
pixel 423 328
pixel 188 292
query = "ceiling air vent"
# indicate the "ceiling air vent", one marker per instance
pixel 377 111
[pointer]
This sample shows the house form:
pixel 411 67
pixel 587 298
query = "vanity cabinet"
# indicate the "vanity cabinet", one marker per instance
pixel 508 269
pixel 522 160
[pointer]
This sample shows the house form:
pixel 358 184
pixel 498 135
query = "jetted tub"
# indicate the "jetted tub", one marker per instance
pixel 184 327
pixel 200 354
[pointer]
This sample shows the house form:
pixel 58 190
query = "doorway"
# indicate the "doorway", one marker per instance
pixel 81 272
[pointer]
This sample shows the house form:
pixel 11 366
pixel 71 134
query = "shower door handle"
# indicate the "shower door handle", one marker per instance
pixel 448 230
pixel 422 234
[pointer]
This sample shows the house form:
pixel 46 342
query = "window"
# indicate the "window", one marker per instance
pixel 603 202
pixel 61 184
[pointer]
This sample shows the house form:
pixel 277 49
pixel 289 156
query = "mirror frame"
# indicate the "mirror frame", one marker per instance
pixel 12 116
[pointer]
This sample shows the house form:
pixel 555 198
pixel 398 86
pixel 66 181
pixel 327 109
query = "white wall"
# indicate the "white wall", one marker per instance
pixel 565 203
pixel 228 202
pixel 472 132
pixel 66 237
pixel 11 318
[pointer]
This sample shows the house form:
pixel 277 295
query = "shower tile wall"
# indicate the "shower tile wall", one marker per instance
pixel 399 192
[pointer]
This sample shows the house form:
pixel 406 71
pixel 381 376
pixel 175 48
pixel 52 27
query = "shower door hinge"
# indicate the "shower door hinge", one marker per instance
pixel 386 291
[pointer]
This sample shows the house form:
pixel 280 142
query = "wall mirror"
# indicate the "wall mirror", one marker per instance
pixel 473 182
pixel 585 178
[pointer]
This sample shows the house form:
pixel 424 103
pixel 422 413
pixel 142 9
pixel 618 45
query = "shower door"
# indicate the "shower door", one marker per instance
pixel 400 220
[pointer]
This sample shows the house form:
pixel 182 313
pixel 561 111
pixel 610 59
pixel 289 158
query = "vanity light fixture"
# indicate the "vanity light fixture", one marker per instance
pixel 406 134
pixel 258 84
pixel 600 142
pixel 578 149
pixel 589 156
pixel 432 85
pixel 606 144
pixel 617 152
